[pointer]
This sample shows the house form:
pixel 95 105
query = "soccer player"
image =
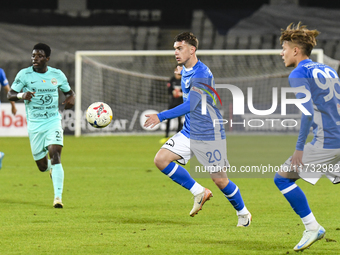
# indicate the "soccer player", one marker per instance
pixel 38 86
pixel 5 85
pixel 199 135
pixel 324 107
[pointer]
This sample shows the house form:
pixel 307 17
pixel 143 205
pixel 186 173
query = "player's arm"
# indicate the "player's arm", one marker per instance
pixel 154 119
pixel 306 120
pixel 182 109
pixel 70 99
pixel 14 109
pixel 13 95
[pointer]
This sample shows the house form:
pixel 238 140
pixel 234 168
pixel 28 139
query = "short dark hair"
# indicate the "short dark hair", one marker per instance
pixel 44 47
pixel 188 37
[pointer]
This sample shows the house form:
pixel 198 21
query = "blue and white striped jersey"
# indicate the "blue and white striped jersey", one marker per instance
pixel 198 81
pixel 324 85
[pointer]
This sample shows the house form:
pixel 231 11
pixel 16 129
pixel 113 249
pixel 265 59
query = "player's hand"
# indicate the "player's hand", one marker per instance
pixel 178 69
pixel 28 95
pixel 296 160
pixel 152 120
pixel 69 102
pixel 14 109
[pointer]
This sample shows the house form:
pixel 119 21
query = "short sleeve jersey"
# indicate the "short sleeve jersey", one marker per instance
pixel 43 110
pixel 323 83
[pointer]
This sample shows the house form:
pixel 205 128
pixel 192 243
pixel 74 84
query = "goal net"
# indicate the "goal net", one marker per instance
pixel 134 83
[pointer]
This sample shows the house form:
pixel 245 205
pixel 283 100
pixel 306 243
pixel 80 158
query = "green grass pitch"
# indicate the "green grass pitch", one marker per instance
pixel 117 202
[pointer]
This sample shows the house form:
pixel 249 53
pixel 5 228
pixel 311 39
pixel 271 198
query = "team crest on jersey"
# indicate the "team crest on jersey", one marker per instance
pixel 338 107
pixel 54 81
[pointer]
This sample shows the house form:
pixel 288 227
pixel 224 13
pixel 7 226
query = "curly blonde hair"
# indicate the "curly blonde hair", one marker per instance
pixel 301 36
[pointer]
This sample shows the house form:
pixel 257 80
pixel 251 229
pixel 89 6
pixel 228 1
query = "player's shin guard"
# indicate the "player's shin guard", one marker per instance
pixel 179 174
pixel 58 179
pixel 293 194
pixel 233 194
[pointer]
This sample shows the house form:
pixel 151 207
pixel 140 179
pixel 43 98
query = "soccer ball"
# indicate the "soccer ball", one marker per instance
pixel 99 115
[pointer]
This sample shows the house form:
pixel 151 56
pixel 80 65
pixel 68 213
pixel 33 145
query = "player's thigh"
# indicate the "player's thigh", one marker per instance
pixel 37 142
pixel 211 154
pixel 54 136
pixel 179 145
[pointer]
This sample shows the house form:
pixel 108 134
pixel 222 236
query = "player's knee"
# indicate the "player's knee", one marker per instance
pixel 162 160
pixel 159 162
pixel 282 182
pixel 42 167
pixel 55 159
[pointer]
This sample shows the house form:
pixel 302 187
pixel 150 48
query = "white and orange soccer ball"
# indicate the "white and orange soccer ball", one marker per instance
pixel 99 115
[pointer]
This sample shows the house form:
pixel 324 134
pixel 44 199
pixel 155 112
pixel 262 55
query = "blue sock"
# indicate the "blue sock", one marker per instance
pixel 179 174
pixel 58 179
pixel 233 194
pixel 293 194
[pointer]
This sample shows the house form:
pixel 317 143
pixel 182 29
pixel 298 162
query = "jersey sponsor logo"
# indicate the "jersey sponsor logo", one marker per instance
pixel 54 81
pixel 47 90
pixel 197 90
pixel 45 115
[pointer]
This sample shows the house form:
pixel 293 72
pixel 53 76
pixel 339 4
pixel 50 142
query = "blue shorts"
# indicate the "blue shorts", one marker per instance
pixel 41 140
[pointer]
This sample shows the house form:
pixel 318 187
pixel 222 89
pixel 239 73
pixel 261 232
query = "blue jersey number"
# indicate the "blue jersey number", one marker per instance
pixel 214 156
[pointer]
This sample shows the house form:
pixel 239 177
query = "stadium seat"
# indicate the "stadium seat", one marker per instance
pixel 208 32
pixel 141 37
pixel 267 42
pixel 337 52
pixel 329 48
pixel 152 38
pixel 218 42
pixel 243 42
pixel 231 42
pixel 197 21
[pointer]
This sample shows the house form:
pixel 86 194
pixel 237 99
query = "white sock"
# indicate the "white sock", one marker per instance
pixel 244 211
pixel 196 189
pixel 310 222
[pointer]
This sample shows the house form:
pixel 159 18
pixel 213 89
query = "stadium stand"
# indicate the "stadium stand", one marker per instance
pixel 143 30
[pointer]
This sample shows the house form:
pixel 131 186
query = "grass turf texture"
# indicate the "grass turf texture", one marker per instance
pixel 117 202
